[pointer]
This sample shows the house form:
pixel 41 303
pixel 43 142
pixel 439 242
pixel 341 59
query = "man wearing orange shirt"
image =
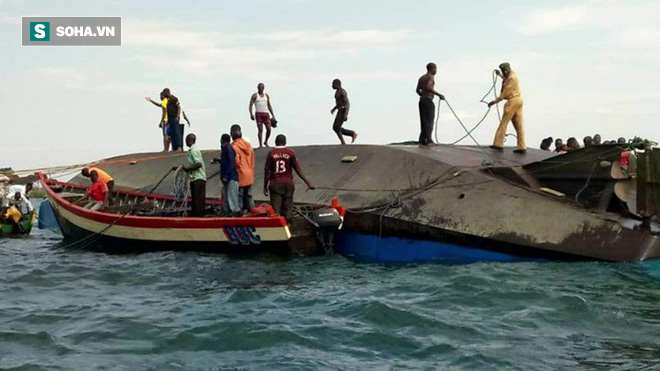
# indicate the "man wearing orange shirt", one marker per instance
pixel 245 168
pixel 104 177
pixel 97 194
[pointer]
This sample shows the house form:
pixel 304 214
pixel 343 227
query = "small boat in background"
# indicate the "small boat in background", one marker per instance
pixel 10 230
pixel 140 222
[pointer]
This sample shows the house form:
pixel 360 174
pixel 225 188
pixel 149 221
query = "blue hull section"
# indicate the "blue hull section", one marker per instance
pixel 47 218
pixel 369 248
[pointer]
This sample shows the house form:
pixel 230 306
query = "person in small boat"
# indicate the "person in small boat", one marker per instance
pixel 588 141
pixel 23 189
pixel 621 140
pixel 12 215
pixel 426 91
pixel 513 109
pixel 245 165
pixel 22 203
pixel 163 119
pixel 228 176
pixel 278 177
pixel 261 101
pixel 342 106
pixel 104 177
pixel 559 143
pixel 97 194
pixel 197 172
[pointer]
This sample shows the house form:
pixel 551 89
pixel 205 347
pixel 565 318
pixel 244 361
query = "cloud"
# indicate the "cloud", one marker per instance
pixel 324 39
pixel 549 20
pixel 202 52
pixel 640 36
pixel 11 20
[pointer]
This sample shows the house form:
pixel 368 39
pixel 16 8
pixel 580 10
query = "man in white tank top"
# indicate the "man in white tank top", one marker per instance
pixel 261 101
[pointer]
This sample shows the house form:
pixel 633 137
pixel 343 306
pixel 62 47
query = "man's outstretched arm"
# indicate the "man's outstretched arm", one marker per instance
pixel 157 104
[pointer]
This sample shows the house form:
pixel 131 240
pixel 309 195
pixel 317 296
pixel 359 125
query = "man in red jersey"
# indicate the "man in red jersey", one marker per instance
pixel 278 177
pixel 97 194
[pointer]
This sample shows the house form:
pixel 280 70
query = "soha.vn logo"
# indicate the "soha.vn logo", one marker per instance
pixel 39 31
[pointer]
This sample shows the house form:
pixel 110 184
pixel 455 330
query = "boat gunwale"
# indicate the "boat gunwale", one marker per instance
pixel 154 221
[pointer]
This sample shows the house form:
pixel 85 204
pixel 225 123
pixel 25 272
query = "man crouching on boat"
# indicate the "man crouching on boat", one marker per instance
pixel 97 194
pixel 197 172
pixel 104 177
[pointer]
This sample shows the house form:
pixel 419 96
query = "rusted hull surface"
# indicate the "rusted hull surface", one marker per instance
pixel 432 193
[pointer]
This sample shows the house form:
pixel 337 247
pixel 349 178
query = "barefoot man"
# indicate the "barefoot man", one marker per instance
pixel 342 106
pixel 426 91
pixel 261 101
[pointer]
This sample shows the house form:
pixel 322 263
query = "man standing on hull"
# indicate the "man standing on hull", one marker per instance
pixel 174 125
pixel 278 177
pixel 342 106
pixel 163 119
pixel 261 101
pixel 426 91
pixel 513 109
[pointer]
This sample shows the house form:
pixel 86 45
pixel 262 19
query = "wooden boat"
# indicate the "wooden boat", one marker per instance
pixel 140 221
pixel 10 230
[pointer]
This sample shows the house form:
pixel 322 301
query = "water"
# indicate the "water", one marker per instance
pixel 82 310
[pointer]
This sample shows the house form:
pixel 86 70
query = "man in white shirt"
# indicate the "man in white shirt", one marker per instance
pixel 23 189
pixel 261 101
pixel 22 203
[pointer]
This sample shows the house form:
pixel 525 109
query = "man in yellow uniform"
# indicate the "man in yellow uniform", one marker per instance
pixel 13 216
pixel 513 109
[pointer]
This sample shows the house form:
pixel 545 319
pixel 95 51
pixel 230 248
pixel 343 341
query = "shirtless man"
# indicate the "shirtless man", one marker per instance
pixel 426 91
pixel 342 106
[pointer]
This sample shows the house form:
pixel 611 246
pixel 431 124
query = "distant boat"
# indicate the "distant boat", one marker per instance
pixel 142 222
pixel 10 230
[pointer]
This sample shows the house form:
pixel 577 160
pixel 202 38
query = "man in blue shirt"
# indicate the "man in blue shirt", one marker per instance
pixel 228 176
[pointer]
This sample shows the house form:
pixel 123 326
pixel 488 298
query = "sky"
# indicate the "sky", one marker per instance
pixel 585 67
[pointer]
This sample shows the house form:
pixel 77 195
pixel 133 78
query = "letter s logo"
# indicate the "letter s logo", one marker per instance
pixel 39 32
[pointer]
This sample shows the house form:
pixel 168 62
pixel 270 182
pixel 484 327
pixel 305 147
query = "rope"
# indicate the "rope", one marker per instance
pixel 469 133
pixel 586 184
pixel 181 189
pixel 93 238
pixel 482 100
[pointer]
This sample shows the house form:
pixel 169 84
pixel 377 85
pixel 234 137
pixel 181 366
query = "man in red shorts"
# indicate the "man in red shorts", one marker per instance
pixel 278 177
pixel 261 101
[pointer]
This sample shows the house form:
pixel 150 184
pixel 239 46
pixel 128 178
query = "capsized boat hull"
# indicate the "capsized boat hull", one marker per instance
pixel 464 195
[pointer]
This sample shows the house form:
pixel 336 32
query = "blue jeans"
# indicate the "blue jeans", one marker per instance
pixel 173 132
pixel 231 206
